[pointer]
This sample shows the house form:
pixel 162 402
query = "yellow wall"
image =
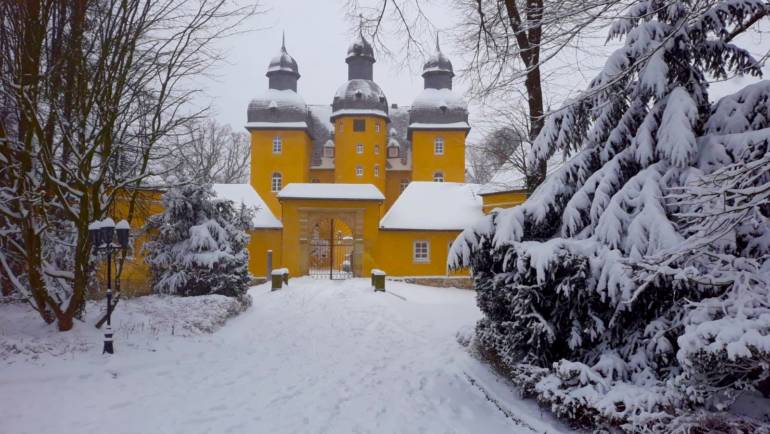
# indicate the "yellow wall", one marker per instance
pixel 346 158
pixel 293 162
pixel 322 175
pixel 425 163
pixel 505 199
pixel 292 252
pixel 393 187
pixel 394 254
pixel 261 241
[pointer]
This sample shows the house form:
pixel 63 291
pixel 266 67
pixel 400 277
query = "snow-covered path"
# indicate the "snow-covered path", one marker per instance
pixel 316 357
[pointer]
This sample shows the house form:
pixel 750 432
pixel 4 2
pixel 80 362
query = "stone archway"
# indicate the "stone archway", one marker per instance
pixel 310 218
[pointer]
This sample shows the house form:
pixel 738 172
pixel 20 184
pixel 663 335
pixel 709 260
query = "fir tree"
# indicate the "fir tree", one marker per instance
pixel 635 273
pixel 200 245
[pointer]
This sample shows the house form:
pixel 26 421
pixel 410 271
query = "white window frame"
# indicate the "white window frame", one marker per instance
pixel 438 146
pixel 279 177
pixel 359 148
pixel 377 127
pixel 417 254
pixel 376 149
pixel 359 170
pixel 438 176
pixel 329 152
pixel 376 170
pixel 394 151
pixel 277 145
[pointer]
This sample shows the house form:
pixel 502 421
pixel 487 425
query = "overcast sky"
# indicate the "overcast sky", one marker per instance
pixel 317 36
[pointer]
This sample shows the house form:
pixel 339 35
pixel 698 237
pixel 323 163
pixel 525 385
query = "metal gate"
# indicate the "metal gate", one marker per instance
pixel 331 256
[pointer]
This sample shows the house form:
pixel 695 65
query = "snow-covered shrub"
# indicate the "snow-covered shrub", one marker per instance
pixel 200 245
pixel 638 274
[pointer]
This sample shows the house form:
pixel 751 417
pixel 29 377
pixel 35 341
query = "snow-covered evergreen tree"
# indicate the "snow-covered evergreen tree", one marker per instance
pixel 200 246
pixel 632 286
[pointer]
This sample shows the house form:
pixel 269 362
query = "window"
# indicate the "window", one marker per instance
pixel 359 125
pixel 438 146
pixel 315 181
pixel 276 184
pixel 404 184
pixel 277 145
pixel 360 148
pixel 376 149
pixel 392 151
pixel 377 127
pixel 359 171
pixel 421 251
pixel 329 152
pixel 376 170
pixel 438 177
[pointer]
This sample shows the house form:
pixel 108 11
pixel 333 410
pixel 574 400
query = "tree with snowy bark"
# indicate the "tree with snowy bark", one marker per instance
pixel 200 245
pixel 632 289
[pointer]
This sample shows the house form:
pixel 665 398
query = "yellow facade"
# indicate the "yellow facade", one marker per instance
pixel 503 199
pixel 428 162
pixel 396 252
pixel 291 163
pixel 394 184
pixel 360 155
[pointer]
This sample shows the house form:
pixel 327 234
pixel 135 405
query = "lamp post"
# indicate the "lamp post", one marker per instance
pixel 101 234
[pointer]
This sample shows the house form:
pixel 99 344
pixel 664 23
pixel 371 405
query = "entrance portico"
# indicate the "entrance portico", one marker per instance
pixel 306 207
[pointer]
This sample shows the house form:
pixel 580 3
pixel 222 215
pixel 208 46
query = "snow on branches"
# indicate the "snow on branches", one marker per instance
pixel 638 273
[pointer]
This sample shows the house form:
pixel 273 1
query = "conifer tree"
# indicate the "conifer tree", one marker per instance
pixel 200 245
pixel 631 288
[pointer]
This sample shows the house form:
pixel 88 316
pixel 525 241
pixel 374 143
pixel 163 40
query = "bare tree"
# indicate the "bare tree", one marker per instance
pixel 207 152
pixel 90 89
pixel 507 41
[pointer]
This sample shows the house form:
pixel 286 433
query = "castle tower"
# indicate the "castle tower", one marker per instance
pixel 277 122
pixel 438 124
pixel 360 119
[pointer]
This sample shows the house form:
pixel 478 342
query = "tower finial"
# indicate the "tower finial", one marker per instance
pixel 283 41
pixel 438 49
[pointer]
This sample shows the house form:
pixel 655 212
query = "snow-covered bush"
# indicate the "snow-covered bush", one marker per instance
pixel 639 273
pixel 200 245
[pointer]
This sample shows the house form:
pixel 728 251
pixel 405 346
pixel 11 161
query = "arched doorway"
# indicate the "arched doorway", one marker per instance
pixel 330 249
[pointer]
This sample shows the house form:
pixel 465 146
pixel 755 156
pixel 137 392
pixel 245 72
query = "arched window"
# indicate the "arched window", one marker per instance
pixel 438 177
pixel 376 170
pixel 277 182
pixel 438 146
pixel 277 145
pixel 359 171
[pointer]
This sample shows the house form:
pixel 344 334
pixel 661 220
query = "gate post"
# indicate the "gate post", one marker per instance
pixel 269 264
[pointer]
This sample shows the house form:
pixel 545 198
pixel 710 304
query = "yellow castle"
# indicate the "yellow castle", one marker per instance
pixel 358 185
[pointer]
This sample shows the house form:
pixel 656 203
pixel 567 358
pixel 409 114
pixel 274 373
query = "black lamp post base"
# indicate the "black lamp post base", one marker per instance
pixel 108 349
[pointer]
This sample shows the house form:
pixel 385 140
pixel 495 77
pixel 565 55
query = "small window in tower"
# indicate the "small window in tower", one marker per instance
pixel 359 125
pixel 438 177
pixel 359 171
pixel 376 170
pixel 404 184
pixel 421 251
pixel 360 148
pixel 277 145
pixel 377 127
pixel 276 182
pixel 392 151
pixel 376 149
pixel 438 146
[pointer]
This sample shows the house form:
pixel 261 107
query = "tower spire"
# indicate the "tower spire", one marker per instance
pixel 438 49
pixel 283 41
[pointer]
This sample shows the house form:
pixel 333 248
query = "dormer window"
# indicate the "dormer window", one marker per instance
pixel 392 151
pixel 438 146
pixel 359 125
pixel 329 152
pixel 358 94
pixel 277 145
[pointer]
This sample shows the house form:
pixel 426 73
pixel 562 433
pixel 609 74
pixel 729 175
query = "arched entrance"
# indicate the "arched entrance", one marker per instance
pixel 330 250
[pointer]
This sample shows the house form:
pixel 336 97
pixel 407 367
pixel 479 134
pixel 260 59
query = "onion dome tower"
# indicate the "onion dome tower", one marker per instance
pixel 280 103
pixel 360 94
pixel 437 104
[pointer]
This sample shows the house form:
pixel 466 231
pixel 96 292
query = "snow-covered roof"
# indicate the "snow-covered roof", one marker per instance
pixel 331 191
pixel 245 194
pixel 448 126
pixel 275 106
pixel 510 178
pixel 435 206
pixel 276 125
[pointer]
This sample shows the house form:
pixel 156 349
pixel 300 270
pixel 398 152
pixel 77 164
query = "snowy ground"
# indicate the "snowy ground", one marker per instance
pixel 318 356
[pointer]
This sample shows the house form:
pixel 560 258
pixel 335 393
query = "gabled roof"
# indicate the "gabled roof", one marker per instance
pixel 434 206
pixel 245 194
pixel 331 191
